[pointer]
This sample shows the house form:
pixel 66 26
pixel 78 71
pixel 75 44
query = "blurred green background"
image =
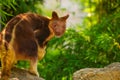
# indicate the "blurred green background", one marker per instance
pixel 92 38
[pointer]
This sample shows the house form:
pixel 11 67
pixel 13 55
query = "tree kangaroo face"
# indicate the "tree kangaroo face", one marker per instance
pixel 58 24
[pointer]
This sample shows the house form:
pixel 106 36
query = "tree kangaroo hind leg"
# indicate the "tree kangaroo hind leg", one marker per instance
pixel 7 59
pixel 31 53
pixel 33 67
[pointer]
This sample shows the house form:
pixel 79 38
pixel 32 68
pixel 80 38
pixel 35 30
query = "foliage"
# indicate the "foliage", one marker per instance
pixel 6 4
pixel 93 47
pixel 10 8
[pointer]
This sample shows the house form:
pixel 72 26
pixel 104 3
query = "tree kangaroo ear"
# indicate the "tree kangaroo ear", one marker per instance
pixel 65 17
pixel 54 15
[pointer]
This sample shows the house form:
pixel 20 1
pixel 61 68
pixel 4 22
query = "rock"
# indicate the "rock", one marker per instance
pixel 21 74
pixel 110 72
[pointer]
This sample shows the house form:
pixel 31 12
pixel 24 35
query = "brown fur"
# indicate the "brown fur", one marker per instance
pixel 25 38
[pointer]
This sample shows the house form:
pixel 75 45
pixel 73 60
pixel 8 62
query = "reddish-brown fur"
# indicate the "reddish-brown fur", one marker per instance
pixel 25 38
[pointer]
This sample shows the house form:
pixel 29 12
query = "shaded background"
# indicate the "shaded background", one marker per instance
pixel 92 38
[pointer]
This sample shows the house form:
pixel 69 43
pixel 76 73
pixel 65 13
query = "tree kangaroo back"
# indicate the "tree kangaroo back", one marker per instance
pixel 25 38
